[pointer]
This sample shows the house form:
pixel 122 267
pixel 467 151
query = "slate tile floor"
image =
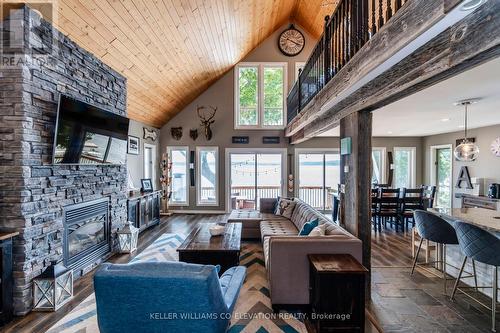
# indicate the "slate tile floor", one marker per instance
pixel 404 303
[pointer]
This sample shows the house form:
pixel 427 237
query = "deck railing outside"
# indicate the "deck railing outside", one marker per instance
pixel 349 27
pixel 313 195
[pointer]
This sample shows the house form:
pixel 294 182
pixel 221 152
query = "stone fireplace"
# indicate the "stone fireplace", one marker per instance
pixel 86 236
pixel 36 196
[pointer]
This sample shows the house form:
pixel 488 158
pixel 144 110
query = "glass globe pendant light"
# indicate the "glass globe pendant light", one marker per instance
pixel 466 151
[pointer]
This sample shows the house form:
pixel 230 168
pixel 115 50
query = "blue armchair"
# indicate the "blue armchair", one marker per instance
pixel 165 297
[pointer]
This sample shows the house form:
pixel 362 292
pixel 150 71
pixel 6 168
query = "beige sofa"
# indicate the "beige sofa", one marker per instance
pixel 286 253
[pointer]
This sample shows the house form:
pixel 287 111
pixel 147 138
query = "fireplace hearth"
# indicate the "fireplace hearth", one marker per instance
pixel 86 233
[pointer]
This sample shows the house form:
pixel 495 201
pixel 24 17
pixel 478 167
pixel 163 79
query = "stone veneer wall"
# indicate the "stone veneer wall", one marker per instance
pixel 33 191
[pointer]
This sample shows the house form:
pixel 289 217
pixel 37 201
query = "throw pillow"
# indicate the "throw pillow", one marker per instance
pixel 285 208
pixel 320 230
pixel 308 227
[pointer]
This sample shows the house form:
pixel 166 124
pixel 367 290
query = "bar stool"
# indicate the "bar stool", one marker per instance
pixel 482 246
pixel 435 229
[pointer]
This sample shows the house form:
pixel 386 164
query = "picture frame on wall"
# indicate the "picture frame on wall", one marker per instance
pixel 146 185
pixel 133 145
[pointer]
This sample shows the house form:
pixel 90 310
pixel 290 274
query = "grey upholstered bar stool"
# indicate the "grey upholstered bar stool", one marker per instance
pixel 435 229
pixel 482 246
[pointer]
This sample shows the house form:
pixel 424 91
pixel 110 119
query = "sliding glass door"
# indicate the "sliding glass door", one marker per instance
pixel 254 175
pixel 318 175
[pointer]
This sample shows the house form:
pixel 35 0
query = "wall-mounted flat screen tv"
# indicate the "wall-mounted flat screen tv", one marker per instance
pixel 86 134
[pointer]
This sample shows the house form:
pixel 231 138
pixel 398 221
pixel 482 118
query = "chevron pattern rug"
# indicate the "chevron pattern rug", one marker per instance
pixel 253 311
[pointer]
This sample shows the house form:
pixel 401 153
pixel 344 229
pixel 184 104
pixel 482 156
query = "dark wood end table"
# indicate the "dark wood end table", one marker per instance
pixel 337 293
pixel 202 248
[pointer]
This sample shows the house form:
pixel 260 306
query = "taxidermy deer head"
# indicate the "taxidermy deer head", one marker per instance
pixel 206 115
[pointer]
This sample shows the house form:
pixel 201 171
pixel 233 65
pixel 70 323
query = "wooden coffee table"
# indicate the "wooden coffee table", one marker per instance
pixel 202 248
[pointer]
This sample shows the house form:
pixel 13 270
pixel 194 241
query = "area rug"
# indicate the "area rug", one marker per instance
pixel 252 313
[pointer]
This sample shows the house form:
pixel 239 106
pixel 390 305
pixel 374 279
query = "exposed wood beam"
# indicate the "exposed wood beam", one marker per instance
pixel 413 19
pixel 468 43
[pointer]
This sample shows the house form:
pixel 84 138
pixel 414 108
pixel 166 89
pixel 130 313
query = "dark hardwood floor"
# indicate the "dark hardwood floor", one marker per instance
pixel 83 287
pixel 399 303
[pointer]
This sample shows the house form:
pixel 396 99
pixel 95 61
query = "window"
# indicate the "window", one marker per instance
pixel 318 177
pixel 207 184
pixel 378 161
pixel 404 167
pixel 179 172
pixel 260 92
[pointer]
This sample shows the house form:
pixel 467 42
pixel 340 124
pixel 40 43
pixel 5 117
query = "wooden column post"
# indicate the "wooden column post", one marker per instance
pixel 355 175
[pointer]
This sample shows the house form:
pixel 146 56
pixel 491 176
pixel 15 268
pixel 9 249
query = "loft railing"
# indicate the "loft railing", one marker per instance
pixel 351 25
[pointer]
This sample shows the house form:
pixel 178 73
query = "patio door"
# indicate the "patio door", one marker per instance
pixel 254 174
pixel 318 175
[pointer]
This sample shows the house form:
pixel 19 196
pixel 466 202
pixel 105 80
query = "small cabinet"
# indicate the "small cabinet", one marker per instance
pixel 144 209
pixel 336 293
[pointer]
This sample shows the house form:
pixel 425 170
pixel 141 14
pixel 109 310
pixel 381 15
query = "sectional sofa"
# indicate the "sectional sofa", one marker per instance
pixel 285 252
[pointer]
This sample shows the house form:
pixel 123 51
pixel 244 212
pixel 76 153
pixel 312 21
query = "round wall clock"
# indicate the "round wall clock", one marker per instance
pixel 291 41
pixel 495 147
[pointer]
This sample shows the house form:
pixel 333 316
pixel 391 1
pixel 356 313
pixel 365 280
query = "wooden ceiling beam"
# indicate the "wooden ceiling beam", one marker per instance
pixel 468 43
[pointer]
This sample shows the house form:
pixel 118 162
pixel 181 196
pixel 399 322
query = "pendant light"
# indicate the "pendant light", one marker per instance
pixel 466 151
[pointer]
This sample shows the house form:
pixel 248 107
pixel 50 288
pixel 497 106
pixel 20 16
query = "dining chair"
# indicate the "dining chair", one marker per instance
pixel 428 196
pixel 389 207
pixel 376 219
pixel 411 200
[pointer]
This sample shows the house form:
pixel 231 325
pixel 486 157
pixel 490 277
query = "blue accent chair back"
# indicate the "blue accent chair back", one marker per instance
pixel 165 297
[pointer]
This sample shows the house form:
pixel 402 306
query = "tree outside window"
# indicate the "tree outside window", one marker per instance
pixel 260 95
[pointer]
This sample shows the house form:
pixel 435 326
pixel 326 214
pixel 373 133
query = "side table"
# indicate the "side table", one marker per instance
pixel 337 293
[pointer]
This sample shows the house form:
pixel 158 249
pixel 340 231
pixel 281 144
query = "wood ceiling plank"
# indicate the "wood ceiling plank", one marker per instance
pixel 170 51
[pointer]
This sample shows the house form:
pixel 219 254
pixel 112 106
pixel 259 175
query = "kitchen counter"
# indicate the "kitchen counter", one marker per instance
pixel 484 218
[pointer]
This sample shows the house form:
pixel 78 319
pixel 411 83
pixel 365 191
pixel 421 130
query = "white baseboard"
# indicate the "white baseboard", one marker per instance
pixel 196 211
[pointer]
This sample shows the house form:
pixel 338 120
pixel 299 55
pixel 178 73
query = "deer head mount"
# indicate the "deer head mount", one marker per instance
pixel 206 115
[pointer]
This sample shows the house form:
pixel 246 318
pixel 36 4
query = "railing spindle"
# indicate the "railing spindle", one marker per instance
pixel 374 25
pixel 397 5
pixel 380 14
pixel 388 11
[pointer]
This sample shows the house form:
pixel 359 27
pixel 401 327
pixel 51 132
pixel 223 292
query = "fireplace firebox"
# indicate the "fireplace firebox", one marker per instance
pixel 86 233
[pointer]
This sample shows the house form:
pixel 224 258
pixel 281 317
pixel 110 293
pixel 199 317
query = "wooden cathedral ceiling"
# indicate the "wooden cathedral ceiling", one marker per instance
pixel 170 51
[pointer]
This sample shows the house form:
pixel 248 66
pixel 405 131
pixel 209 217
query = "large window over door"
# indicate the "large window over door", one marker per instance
pixel 404 167
pixel 207 184
pixel 260 92
pixel 318 175
pixel 254 175
pixel 179 172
